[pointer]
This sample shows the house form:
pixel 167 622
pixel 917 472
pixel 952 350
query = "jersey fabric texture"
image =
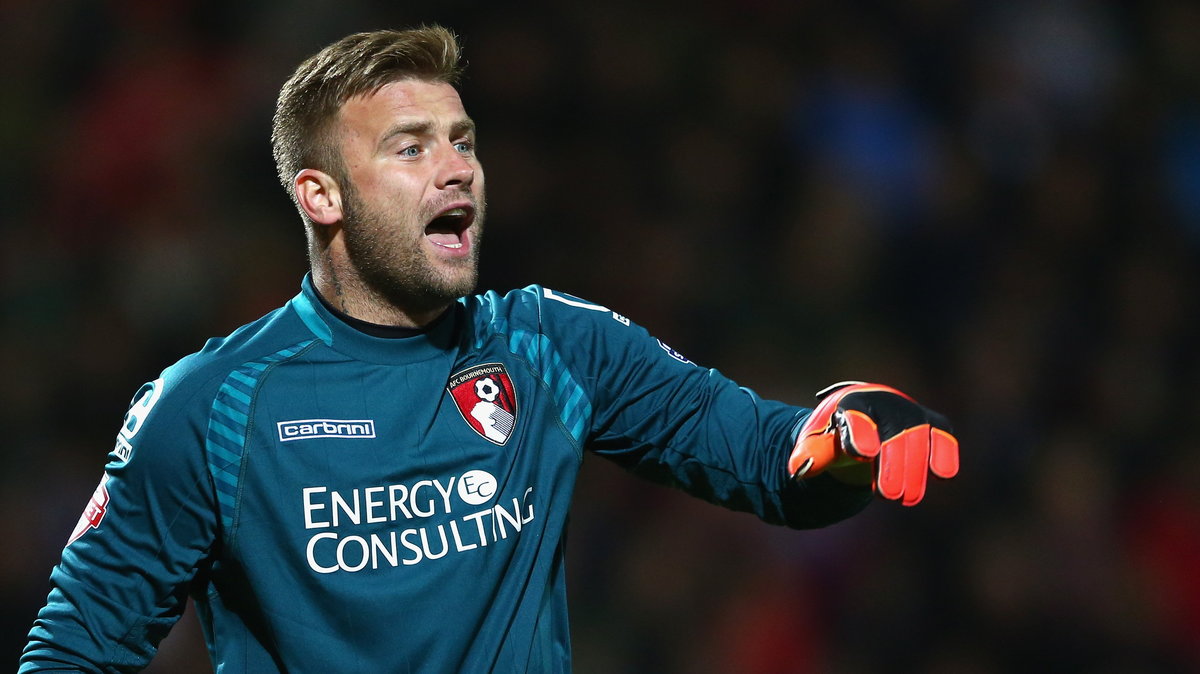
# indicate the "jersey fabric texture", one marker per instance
pixel 338 502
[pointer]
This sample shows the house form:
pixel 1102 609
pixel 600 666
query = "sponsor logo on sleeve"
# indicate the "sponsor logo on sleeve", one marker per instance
pixel 673 353
pixel 94 513
pixel 486 399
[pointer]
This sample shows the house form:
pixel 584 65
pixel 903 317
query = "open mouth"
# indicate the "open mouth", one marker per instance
pixel 449 228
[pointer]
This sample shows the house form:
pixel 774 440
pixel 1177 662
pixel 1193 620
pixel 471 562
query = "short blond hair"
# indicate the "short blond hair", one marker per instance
pixel 358 64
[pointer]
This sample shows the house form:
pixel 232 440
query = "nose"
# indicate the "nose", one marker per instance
pixel 455 170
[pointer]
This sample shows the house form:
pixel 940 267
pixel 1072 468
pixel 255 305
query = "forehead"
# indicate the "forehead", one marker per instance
pixel 372 114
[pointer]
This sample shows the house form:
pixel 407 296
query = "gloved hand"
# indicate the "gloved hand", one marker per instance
pixel 858 423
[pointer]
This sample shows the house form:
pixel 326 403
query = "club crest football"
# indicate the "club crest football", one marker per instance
pixel 486 399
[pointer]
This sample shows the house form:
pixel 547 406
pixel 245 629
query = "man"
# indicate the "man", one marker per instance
pixel 376 476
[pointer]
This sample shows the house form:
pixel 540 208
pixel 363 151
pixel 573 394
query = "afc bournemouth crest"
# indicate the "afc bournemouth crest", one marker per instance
pixel 484 395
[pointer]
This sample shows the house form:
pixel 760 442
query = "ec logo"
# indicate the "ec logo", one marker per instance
pixel 476 487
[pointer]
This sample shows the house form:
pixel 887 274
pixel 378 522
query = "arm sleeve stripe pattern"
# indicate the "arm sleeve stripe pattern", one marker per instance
pixel 236 391
pixel 228 423
pixel 229 429
pixel 573 405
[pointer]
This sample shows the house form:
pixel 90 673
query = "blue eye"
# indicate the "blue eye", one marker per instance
pixel 464 146
pixel 410 151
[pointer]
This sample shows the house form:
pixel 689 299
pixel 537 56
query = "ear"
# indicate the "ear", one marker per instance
pixel 319 195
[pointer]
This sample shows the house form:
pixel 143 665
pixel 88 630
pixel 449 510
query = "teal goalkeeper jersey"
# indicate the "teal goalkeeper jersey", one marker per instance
pixel 339 502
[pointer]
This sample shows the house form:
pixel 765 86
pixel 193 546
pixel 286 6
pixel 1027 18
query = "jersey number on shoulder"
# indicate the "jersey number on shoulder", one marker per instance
pixel 143 402
pixel 571 302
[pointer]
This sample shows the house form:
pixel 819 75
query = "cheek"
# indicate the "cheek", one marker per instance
pixel 392 190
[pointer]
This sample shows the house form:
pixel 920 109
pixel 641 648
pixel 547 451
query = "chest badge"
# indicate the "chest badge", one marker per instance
pixel 486 399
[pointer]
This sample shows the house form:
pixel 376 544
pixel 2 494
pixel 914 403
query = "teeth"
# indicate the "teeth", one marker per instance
pixel 451 245
pixel 456 212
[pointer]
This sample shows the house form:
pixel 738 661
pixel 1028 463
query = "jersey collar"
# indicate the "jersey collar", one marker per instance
pixel 344 338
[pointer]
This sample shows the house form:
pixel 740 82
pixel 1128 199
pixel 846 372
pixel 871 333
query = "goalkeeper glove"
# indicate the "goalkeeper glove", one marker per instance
pixel 857 424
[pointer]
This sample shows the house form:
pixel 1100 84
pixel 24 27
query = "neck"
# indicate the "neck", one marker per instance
pixel 346 292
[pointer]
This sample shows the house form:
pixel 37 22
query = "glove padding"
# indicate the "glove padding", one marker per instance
pixel 856 423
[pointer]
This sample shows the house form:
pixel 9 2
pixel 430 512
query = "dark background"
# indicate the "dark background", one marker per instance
pixel 992 205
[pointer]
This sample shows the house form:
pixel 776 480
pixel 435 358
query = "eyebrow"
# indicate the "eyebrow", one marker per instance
pixel 462 127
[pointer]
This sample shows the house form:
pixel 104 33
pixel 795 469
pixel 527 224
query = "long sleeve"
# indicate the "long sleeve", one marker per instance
pixel 663 417
pixel 124 574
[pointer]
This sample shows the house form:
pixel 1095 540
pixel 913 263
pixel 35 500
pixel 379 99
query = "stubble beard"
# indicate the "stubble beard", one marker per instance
pixel 388 254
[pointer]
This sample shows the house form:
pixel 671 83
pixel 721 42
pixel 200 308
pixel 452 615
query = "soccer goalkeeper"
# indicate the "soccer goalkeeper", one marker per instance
pixel 375 477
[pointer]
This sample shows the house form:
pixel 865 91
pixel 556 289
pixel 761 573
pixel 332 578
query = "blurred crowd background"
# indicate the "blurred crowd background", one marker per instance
pixel 992 205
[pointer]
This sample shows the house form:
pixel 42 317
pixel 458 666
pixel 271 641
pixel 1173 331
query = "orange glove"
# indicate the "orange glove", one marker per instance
pixel 858 423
